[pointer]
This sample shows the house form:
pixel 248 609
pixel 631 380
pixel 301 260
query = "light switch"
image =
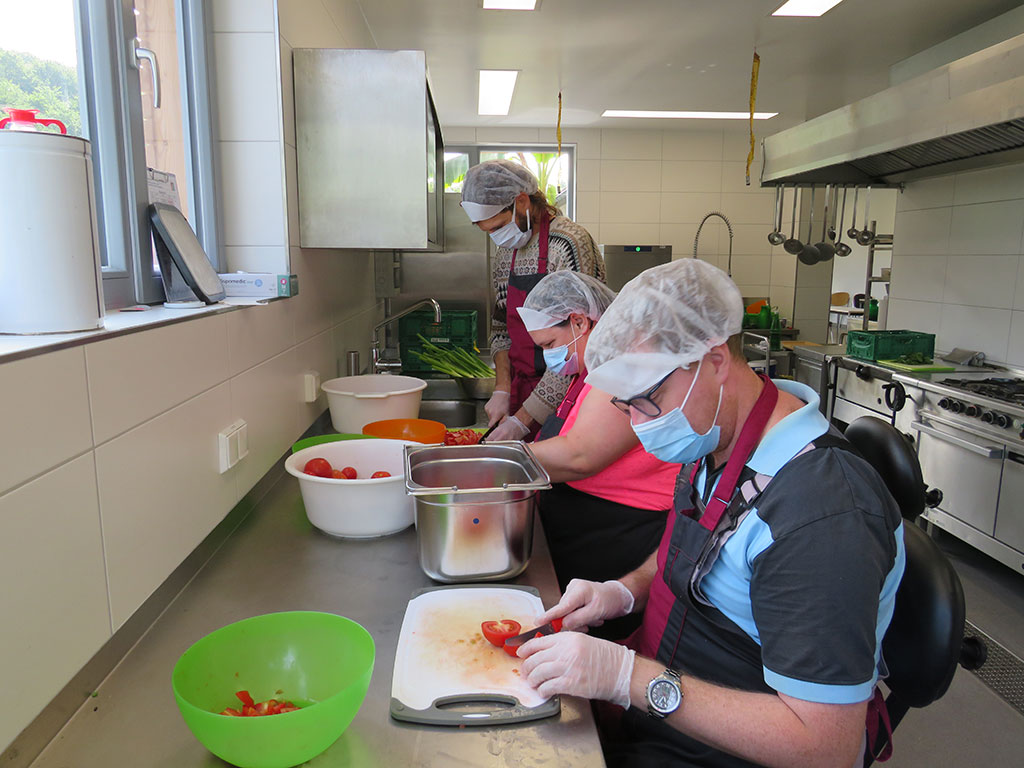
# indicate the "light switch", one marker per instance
pixel 311 386
pixel 233 445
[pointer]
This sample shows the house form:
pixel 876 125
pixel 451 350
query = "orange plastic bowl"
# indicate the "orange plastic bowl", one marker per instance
pixel 418 430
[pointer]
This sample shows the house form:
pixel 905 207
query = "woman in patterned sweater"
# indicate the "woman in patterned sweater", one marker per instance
pixel 532 237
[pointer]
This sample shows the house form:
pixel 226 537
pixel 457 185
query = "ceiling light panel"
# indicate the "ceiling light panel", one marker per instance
pixel 496 88
pixel 510 5
pixel 806 7
pixel 686 115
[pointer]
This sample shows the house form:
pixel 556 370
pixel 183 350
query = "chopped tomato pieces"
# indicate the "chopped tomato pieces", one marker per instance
pixel 461 437
pixel 497 632
pixel 251 709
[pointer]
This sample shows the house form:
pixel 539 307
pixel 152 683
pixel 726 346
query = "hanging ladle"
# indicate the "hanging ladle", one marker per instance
pixel 865 235
pixel 842 249
pixel 775 237
pixel 852 231
pixel 825 249
pixel 832 221
pixel 809 254
pixel 793 245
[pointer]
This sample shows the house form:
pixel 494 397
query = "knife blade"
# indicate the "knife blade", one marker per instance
pixel 545 629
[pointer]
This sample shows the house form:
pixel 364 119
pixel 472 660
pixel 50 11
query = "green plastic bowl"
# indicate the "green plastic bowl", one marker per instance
pixel 319 661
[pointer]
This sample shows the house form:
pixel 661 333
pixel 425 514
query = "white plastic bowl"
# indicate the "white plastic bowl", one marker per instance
pixel 362 508
pixel 355 401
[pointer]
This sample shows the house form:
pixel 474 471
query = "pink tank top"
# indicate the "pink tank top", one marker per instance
pixel 637 479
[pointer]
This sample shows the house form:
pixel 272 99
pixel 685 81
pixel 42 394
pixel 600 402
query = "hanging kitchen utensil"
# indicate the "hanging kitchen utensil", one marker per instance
pixel 825 249
pixel 809 254
pixel 852 231
pixel 775 237
pixel 865 235
pixel 832 222
pixel 793 245
pixel 842 249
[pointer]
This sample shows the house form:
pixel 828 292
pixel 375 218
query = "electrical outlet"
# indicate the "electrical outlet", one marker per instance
pixel 233 444
pixel 311 386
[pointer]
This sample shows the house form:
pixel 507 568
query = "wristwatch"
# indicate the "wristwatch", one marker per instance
pixel 664 694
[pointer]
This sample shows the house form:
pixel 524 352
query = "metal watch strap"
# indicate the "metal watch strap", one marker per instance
pixel 668 676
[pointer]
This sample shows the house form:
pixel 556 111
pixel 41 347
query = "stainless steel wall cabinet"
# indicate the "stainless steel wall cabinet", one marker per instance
pixel 370 153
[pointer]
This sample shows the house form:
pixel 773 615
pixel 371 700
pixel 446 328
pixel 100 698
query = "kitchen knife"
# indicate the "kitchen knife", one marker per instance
pixel 545 629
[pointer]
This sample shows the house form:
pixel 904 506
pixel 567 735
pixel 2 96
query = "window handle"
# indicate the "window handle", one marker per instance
pixel 150 56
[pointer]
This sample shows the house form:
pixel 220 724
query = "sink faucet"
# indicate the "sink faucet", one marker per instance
pixel 380 365
pixel 728 225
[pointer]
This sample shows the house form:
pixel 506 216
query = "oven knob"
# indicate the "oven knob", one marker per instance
pixel 989 417
pixel 1004 421
pixel 956 406
pixel 972 410
pixel 944 403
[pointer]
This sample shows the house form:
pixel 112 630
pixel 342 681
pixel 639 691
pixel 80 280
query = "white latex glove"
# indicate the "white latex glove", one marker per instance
pixel 497 407
pixel 590 604
pixel 579 665
pixel 510 429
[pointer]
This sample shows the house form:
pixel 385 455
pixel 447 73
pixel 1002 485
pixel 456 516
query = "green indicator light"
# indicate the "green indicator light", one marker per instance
pixel 638 249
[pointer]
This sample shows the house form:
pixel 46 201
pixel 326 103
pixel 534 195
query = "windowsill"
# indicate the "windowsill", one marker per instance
pixel 115 323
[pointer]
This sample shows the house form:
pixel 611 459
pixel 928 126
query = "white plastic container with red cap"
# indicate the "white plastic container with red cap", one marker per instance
pixel 50 275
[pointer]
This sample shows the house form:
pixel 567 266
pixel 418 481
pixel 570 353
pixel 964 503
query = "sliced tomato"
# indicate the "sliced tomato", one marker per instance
pixel 381 473
pixel 245 698
pixel 350 473
pixel 556 624
pixel 231 712
pixel 511 650
pixel 318 467
pixel 497 632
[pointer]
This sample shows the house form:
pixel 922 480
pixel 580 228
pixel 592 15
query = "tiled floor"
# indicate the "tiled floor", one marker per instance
pixel 972 726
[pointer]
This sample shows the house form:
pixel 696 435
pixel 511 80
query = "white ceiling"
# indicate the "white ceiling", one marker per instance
pixel 664 54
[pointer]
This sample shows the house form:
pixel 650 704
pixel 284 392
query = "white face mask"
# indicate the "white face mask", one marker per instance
pixel 511 236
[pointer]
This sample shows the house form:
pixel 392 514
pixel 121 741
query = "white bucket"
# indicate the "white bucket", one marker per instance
pixel 355 401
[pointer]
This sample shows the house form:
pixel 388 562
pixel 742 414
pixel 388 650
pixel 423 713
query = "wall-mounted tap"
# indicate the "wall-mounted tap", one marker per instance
pixel 380 365
pixel 728 225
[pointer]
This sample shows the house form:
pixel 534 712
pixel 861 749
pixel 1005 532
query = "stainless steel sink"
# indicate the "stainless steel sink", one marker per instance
pixel 443 389
pixel 451 413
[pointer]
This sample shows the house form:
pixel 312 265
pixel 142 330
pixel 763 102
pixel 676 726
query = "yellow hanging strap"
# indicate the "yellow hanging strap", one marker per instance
pixel 753 99
pixel 558 127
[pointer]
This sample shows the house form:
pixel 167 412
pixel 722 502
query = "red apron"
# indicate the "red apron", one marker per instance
pixel 525 358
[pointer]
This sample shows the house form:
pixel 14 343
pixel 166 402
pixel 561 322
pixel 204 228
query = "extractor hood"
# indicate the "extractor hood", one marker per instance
pixel 963 115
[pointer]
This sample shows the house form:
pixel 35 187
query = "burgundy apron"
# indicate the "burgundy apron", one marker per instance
pixel 525 358
pixel 690 535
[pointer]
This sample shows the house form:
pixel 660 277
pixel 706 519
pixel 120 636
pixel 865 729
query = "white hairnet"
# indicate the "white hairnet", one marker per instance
pixel 666 317
pixel 560 294
pixel 491 186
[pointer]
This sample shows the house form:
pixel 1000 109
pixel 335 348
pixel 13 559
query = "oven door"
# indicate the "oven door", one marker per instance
pixel 1010 519
pixel 966 466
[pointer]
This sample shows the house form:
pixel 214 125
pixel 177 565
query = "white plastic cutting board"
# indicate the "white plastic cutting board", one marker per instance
pixel 441 651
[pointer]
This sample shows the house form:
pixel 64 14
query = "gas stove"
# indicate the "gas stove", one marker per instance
pixel 993 401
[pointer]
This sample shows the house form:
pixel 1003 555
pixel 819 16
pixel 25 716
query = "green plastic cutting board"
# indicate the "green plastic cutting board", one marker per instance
pixel 923 368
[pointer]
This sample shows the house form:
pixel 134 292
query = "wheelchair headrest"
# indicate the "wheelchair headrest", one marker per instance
pixel 890 453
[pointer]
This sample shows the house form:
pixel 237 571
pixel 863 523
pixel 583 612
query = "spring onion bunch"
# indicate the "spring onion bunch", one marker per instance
pixel 454 361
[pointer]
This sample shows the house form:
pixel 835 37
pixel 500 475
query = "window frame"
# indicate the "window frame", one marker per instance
pixel 474 150
pixel 109 78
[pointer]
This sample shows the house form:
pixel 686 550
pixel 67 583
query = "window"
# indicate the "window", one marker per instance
pixel 554 172
pixel 99 67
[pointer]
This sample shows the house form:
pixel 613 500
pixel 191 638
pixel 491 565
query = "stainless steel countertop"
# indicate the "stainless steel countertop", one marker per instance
pixel 275 561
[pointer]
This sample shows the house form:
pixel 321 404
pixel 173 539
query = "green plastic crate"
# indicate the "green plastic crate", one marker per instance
pixel 457 328
pixel 889 345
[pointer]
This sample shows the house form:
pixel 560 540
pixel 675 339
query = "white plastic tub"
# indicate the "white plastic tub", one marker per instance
pixel 355 401
pixel 362 508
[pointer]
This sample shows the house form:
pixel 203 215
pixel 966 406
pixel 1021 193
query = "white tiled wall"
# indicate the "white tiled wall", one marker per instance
pixel 959 247
pixel 656 186
pixel 110 475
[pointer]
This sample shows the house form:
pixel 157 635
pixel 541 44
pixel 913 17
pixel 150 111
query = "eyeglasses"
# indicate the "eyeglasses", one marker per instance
pixel 643 403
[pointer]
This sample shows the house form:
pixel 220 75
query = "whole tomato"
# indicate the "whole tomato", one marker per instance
pixel 318 467
pixel 381 473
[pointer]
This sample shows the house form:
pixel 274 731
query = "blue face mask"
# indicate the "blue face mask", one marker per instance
pixel 555 359
pixel 671 438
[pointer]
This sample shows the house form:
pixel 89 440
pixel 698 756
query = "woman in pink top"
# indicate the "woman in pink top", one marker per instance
pixel 607 508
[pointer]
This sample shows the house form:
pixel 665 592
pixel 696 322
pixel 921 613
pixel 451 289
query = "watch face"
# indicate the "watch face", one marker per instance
pixel 664 696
